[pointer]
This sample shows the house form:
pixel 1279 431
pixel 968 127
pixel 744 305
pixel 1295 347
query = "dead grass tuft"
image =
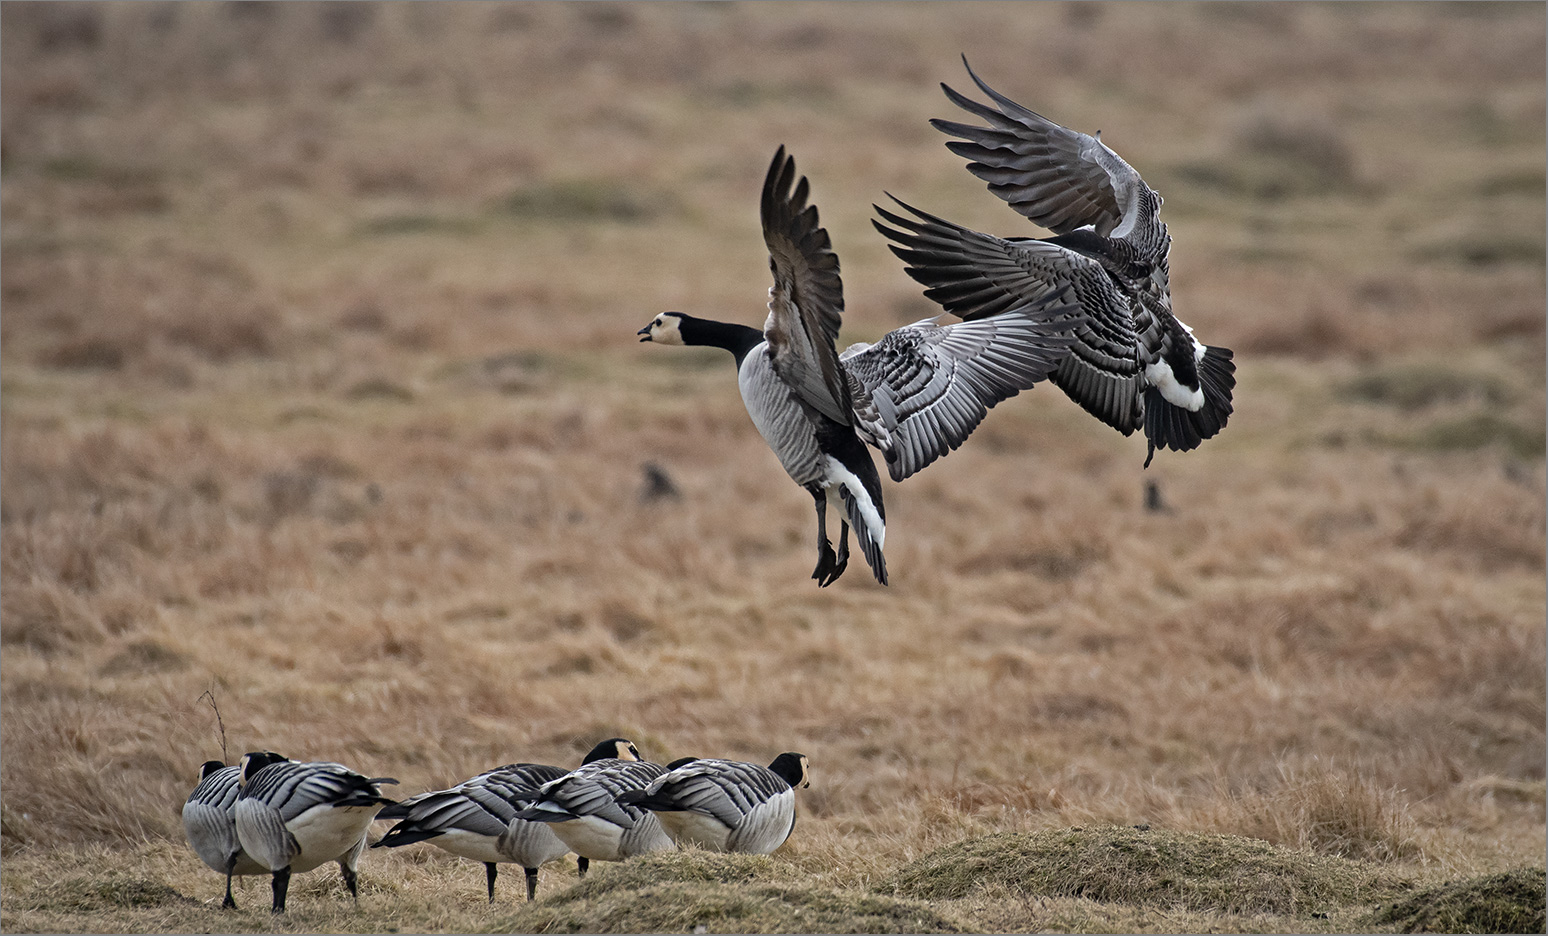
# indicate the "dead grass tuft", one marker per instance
pixel 1151 867
pixel 1508 902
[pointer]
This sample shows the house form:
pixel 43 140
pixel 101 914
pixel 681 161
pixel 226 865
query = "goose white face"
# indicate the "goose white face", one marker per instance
pixel 664 329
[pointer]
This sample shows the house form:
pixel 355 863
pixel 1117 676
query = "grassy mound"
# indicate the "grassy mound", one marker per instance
pixel 1179 870
pixel 1509 902
pixel 682 891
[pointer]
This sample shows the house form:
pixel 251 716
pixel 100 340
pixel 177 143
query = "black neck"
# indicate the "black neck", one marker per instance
pixel 738 339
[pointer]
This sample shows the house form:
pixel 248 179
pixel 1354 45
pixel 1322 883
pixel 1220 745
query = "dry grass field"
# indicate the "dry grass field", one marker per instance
pixel 321 395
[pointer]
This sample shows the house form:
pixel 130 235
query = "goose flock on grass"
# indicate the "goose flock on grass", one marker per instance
pixel 275 816
pixel 1089 309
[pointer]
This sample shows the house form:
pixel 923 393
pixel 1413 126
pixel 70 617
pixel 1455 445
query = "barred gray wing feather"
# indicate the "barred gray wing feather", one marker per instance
pixel 979 276
pixel 929 385
pixel 292 788
pixel 806 302
pixel 592 790
pixel 1059 178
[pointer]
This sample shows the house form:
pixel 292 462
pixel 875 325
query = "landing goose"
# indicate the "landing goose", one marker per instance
pixel 582 810
pixel 725 805
pixel 209 820
pixel 915 395
pixel 1133 364
pixel 477 818
pixel 292 817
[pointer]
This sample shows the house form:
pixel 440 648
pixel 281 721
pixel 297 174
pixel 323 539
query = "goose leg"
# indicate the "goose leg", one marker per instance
pixel 581 864
pixel 229 903
pixel 281 886
pixel 350 881
pixel 531 884
pixel 491 871
pixel 842 561
pixel 827 563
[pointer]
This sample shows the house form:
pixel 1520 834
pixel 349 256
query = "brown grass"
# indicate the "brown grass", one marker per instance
pixel 321 393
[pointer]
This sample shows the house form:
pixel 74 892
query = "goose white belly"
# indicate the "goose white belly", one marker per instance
pixel 691 828
pixel 327 833
pixel 470 845
pixel 591 837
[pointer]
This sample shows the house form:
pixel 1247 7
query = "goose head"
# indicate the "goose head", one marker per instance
pixel 665 328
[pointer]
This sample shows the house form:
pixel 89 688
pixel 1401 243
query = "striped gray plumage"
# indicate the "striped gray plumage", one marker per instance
pixel 477 819
pixel 725 805
pixel 292 817
pixel 209 821
pixel 1133 365
pixel 582 809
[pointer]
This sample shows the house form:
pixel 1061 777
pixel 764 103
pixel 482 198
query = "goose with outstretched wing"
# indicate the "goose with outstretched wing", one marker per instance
pixel 915 395
pixel 1133 364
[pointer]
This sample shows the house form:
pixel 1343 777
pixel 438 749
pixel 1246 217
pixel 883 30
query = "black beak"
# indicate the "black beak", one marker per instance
pixel 645 332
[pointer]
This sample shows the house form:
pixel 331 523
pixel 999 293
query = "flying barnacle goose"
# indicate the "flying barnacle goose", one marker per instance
pixel 724 805
pixel 209 820
pixel 292 817
pixel 582 810
pixel 1133 364
pixel 915 395
pixel 477 818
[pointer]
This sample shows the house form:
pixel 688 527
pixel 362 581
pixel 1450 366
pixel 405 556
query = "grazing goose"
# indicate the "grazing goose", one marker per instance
pixel 915 395
pixel 582 810
pixel 1133 364
pixel 292 817
pixel 477 818
pixel 209 820
pixel 726 806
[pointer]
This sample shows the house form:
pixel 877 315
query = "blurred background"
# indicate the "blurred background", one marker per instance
pixel 321 394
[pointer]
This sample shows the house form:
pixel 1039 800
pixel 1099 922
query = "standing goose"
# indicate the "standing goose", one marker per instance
pixel 582 810
pixel 727 806
pixel 292 817
pixel 477 818
pixel 1133 364
pixel 209 820
pixel 915 395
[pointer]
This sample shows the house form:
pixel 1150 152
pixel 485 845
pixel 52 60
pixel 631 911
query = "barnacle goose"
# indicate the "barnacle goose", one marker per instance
pixel 725 805
pixel 209 820
pixel 477 818
pixel 292 817
pixel 915 395
pixel 1133 364
pixel 582 810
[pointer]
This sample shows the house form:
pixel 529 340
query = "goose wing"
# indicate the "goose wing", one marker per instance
pixel 925 387
pixel 979 276
pixel 208 817
pixel 806 302
pixel 1059 178
pixel 292 788
pixel 593 790
pixel 726 790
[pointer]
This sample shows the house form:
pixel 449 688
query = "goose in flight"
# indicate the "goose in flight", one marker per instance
pixel 477 818
pixel 724 805
pixel 915 395
pixel 1133 365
